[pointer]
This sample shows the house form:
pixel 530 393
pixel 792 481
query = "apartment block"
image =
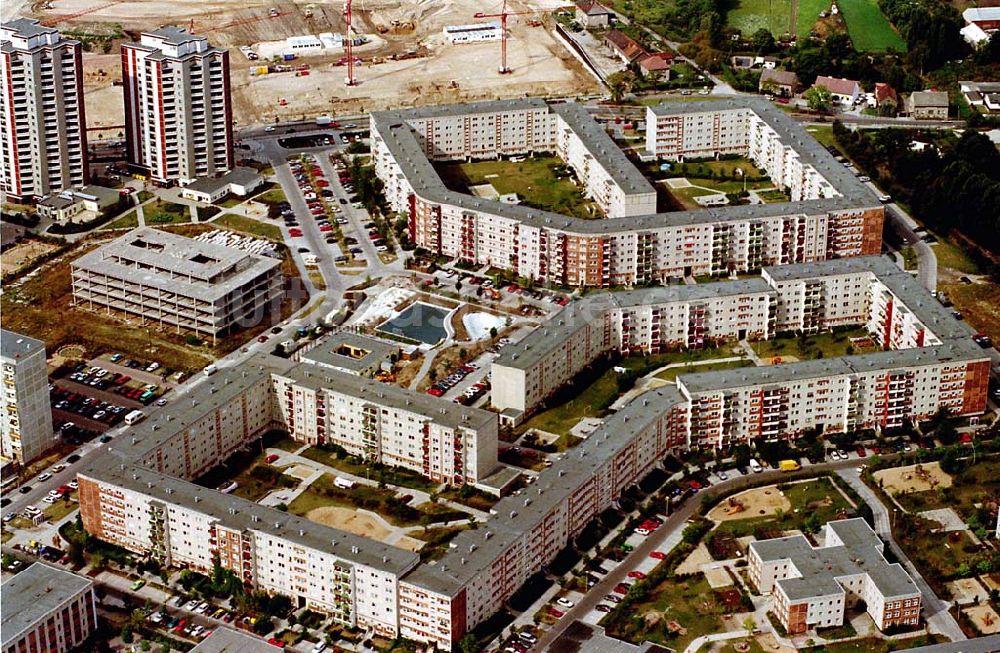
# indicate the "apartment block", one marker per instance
pixel 178 109
pixel 43 128
pixel 176 282
pixel 831 214
pixel 383 423
pixel 27 414
pixel 651 320
pixel 812 586
pixel 47 610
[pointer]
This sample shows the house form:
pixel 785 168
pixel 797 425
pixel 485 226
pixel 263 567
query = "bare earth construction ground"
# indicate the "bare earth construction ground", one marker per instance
pixel 440 72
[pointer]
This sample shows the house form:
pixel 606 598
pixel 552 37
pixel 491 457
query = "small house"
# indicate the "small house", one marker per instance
pixel 927 105
pixel 844 91
pixel 783 83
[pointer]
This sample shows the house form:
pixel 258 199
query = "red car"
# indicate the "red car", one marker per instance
pixel 270 459
pixel 435 392
pixel 322 183
pixel 621 588
pixel 280 643
pixel 694 485
pixel 861 452
pixel 326 227
pixel 295 233
pixel 555 613
pixel 659 555
pixel 180 625
pixel 261 338
pixel 636 574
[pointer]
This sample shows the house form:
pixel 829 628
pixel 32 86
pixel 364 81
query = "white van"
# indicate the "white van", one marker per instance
pixel 755 466
pixel 134 416
pixel 344 483
pixel 210 370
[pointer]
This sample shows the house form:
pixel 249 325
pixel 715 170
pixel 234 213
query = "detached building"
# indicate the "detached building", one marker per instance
pixel 240 181
pixel 783 83
pixel 474 33
pixel 156 276
pixel 27 413
pixel 46 609
pixel 43 129
pixel 624 46
pixel 591 14
pixel 71 203
pixel 844 91
pixel 927 105
pixel 812 587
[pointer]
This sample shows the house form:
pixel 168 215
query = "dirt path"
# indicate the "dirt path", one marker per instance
pixel 794 18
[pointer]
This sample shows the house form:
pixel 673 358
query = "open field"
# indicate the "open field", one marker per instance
pixel 436 71
pixel 868 28
pixel 23 254
pixel 979 303
pixel 249 226
pixel 535 181
pixel 160 212
pixel 750 15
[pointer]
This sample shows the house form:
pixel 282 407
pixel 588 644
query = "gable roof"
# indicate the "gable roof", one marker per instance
pixel 592 8
pixel 929 99
pixel 656 61
pixel 625 44
pixel 885 92
pixel 780 77
pixel 837 85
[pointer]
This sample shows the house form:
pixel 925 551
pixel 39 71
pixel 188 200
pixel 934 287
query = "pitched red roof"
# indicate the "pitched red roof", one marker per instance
pixel 885 92
pixel 591 7
pixel 656 61
pixel 625 44
pixel 837 85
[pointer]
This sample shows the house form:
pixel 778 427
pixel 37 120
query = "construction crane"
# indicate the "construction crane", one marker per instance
pixel 349 45
pixel 504 70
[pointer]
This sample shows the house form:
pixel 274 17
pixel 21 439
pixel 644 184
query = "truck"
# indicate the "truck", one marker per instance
pixel 324 121
pixel 789 465
pixel 288 56
pixel 344 483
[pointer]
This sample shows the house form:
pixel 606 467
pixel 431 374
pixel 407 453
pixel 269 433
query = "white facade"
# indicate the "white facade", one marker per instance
pixel 43 129
pixel 27 414
pixel 474 33
pixel 178 110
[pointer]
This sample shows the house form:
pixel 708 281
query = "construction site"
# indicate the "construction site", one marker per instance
pixel 401 55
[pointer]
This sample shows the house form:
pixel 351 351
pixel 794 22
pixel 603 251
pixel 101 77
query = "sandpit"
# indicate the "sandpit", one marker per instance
pixel 967 590
pixel 757 502
pixel 911 479
pixel 692 564
pixel 301 472
pixel 409 543
pixel 985 618
pixel 349 520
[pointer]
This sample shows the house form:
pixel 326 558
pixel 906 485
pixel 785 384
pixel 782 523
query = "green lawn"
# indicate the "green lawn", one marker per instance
pixel 593 400
pixel 824 135
pixel 821 345
pixel 951 256
pixel 249 226
pixel 352 465
pixel 979 303
pixel 128 221
pixel 750 15
pixel 672 373
pixel 60 509
pixel 868 27
pixel 773 196
pixel 817 497
pixel 691 603
pixel 909 258
pixel 535 180
pixel 160 212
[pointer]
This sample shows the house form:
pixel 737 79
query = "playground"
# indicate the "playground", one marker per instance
pixel 913 478
pixel 757 502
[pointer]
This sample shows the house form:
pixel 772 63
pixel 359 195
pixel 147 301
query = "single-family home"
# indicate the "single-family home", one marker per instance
pixel 591 14
pixel 783 83
pixel 742 62
pixel 624 46
pixel 927 105
pixel 886 99
pixel 657 63
pixel 844 91
pixel 240 181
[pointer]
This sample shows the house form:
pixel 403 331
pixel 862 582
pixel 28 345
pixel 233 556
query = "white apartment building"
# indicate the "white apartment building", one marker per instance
pixel 178 109
pixel 383 423
pixel 43 129
pixel 474 33
pixel 812 586
pixel 27 414
pixel 831 216
pixel 634 322
pixel 177 282
pixel 47 609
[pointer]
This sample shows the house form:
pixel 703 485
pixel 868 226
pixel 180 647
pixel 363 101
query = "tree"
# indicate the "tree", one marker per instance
pixel 468 644
pixel 749 625
pixel 620 84
pixel 762 41
pixel 819 98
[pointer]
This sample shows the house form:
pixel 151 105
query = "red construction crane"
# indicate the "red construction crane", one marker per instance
pixel 504 70
pixel 349 45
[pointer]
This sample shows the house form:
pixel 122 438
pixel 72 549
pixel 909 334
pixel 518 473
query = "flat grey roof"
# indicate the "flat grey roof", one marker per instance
pixel 227 640
pixel 242 515
pixel 580 637
pixel 326 353
pixel 175 264
pixel 240 175
pixel 98 192
pixel 435 409
pixel 32 594
pixel 474 551
pixel 57 201
pixel 401 141
pixel 988 644
pixel 861 553
pixel 721 380
pixel 579 314
pixel 13 345
pixel 27 27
